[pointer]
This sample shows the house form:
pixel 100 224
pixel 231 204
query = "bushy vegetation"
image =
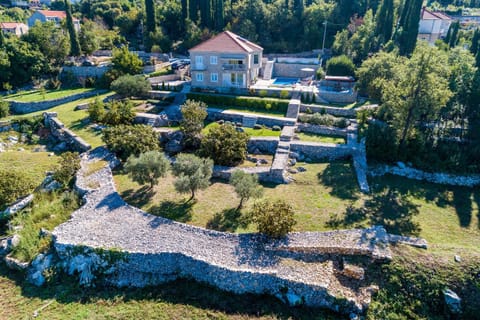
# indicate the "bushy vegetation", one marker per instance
pixel 267 104
pixel 324 120
pixel 112 113
pixel 246 186
pixel 273 218
pixel 194 114
pixel 13 185
pixel 148 167
pixel 131 86
pixel 226 145
pixel 340 66
pixel 125 140
pixel 193 173
pixel 4 109
pixel 68 166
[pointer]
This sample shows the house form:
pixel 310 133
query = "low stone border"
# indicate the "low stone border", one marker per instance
pixel 58 130
pixel 435 177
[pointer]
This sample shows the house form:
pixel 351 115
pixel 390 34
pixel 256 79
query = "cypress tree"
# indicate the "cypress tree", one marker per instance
pixel 454 37
pixel 449 34
pixel 206 13
pixel 74 43
pixel 151 25
pixel 408 37
pixel 219 14
pixel 475 41
pixel 184 9
pixel 384 21
pixel 193 10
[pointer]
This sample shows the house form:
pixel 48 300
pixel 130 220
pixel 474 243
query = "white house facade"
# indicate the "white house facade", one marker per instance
pixel 433 25
pixel 226 60
pixel 51 15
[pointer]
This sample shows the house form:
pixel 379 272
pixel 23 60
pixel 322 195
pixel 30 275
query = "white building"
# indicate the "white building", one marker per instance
pixel 50 15
pixel 16 28
pixel 433 25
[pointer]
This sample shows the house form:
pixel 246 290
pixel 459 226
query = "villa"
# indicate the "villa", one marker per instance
pixel 226 60
pixel 51 15
pixel 433 25
pixel 16 28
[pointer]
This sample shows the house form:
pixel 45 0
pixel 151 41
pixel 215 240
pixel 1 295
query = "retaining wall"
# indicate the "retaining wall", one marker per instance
pixel 91 71
pixel 59 131
pixel 324 130
pixel 292 70
pixel 321 151
pixel 28 107
pixel 338 112
pixel 338 97
pixel 219 114
pixel 262 145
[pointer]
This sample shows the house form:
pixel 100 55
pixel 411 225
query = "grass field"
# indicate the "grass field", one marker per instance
pixel 38 95
pixel 74 120
pixel 311 137
pixel 264 132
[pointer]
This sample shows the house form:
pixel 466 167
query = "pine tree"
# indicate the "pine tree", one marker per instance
pixel 475 41
pixel 74 43
pixel 384 21
pixel 454 37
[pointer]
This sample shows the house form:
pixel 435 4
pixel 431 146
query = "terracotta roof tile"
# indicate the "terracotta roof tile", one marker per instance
pixel 227 42
pixel 431 15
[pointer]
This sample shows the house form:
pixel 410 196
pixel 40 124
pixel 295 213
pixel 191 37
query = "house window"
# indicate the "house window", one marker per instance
pixel 199 77
pixel 213 59
pixel 214 77
pixel 255 59
pixel 199 60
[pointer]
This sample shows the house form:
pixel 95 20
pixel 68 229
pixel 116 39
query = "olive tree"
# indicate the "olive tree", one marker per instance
pixel 246 186
pixel 274 219
pixel 225 145
pixel 127 140
pixel 194 114
pixel 148 167
pixel 193 173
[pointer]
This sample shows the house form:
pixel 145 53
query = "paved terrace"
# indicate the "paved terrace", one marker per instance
pixel 305 259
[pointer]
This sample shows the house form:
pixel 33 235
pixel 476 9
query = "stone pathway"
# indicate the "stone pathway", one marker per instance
pixel 157 246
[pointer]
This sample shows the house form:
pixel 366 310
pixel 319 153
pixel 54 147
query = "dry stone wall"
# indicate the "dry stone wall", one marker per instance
pixel 58 130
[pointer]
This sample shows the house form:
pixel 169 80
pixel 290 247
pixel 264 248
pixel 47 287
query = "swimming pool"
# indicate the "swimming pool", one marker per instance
pixel 285 81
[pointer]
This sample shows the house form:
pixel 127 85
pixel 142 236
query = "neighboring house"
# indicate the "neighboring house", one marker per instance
pixel 226 60
pixel 433 25
pixel 16 28
pixel 50 15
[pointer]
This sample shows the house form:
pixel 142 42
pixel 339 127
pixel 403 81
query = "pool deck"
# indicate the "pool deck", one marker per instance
pixel 269 85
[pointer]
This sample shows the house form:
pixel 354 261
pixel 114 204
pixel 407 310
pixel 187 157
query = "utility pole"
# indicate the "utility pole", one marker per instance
pixel 324 35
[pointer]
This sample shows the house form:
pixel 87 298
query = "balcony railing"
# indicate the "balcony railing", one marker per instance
pixel 198 67
pixel 234 67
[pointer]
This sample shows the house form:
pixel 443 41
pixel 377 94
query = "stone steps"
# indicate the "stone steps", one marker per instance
pixel 267 73
pixel 287 133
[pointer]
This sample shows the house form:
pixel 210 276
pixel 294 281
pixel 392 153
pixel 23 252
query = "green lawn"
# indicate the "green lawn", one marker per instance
pixel 74 119
pixel 264 132
pixel 38 95
pixel 311 137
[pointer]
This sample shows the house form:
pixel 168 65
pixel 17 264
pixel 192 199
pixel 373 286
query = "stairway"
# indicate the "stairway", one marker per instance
pixel 249 122
pixel 267 73
pixel 151 122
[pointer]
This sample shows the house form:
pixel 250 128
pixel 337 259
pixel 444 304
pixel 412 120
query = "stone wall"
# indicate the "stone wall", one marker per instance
pixel 219 114
pixel 323 130
pixel 5 126
pixel 59 131
pixel 314 151
pixel 338 112
pixel 292 70
pixel 87 71
pixel 262 145
pixel 28 107
pixel 338 97
pixel 435 177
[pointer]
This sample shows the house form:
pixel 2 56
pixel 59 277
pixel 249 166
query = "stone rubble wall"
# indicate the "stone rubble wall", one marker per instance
pixel 435 177
pixel 323 130
pixel 338 112
pixel 338 97
pixel 58 130
pixel 315 151
pixel 86 71
pixel 227 115
pixel 262 145
pixel 28 107
pixel 292 70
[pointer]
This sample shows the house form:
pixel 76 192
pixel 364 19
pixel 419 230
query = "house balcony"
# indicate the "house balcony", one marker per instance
pixel 198 67
pixel 234 67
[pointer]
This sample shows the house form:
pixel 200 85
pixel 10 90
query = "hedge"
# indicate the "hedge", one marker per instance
pixel 240 101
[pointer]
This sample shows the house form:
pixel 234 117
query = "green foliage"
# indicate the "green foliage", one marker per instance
pixel 225 145
pixel 340 66
pixel 407 31
pixel 127 140
pixel 88 38
pixel 147 168
pixel 384 21
pixel 68 166
pixel 324 120
pixel 246 186
pixel 74 43
pixel 274 219
pixel 119 112
pixel 239 101
pixel 475 41
pixel 96 111
pixel 124 62
pixel 284 94
pixel 194 114
pixel 131 86
pixel 455 26
pixel 13 185
pixel 4 109
pixel 193 173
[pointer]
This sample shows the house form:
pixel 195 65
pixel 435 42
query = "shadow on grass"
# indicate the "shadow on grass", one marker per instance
pixel 178 211
pixel 388 208
pixel 340 177
pixel 138 198
pixel 180 296
pixel 82 124
pixel 227 220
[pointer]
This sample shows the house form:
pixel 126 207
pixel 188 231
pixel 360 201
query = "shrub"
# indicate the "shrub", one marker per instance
pixel 147 168
pixel 284 94
pixel 127 140
pixel 276 128
pixel 96 111
pixel 131 86
pixel 257 126
pixel 246 186
pixel 225 145
pixel 119 112
pixel 274 219
pixel 194 114
pixel 308 110
pixel 263 93
pixel 381 142
pixel 13 185
pixel 68 167
pixel 239 101
pixel 4 109
pixel 324 120
pixel 340 66
pixel 193 173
